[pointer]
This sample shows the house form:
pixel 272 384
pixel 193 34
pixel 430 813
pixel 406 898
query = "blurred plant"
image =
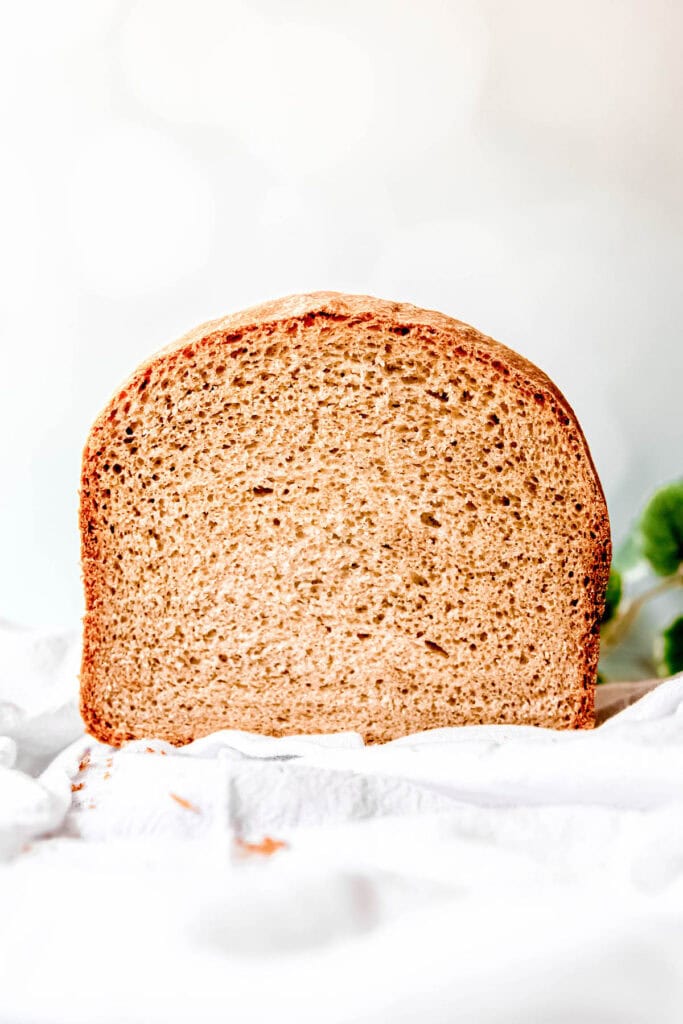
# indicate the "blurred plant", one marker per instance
pixel 655 544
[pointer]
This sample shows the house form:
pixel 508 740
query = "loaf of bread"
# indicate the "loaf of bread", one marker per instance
pixel 330 513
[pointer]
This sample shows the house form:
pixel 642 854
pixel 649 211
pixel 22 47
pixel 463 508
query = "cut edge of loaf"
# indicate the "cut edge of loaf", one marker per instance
pixel 354 310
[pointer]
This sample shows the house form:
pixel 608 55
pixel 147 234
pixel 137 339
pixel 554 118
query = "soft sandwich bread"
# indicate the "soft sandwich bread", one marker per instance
pixel 332 512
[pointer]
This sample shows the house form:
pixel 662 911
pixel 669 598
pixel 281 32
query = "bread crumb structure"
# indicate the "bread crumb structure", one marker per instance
pixel 333 512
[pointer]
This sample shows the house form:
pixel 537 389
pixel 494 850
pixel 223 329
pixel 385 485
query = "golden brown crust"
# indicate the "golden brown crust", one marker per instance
pixel 463 340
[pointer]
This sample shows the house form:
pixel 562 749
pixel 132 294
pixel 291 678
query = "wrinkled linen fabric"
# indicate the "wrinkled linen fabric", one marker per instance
pixel 482 874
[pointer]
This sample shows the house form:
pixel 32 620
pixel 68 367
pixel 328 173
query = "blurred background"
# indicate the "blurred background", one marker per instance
pixel 515 164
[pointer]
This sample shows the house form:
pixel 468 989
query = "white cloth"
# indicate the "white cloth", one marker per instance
pixel 482 874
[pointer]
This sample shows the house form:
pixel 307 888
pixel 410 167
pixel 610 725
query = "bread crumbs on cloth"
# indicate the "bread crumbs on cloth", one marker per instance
pixel 266 848
pixel 185 803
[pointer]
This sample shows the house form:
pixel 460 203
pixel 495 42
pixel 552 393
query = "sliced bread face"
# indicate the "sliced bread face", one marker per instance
pixel 336 513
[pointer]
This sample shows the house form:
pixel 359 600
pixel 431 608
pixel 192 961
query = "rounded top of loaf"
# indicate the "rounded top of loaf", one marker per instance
pixel 359 308
pixel 339 306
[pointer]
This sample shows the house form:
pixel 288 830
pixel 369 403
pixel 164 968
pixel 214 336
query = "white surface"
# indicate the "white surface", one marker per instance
pixel 478 874
pixel 516 165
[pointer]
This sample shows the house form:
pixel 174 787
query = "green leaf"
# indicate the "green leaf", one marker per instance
pixel 661 529
pixel 672 650
pixel 613 595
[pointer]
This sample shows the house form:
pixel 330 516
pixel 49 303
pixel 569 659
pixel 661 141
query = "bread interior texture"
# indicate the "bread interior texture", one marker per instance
pixel 323 524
